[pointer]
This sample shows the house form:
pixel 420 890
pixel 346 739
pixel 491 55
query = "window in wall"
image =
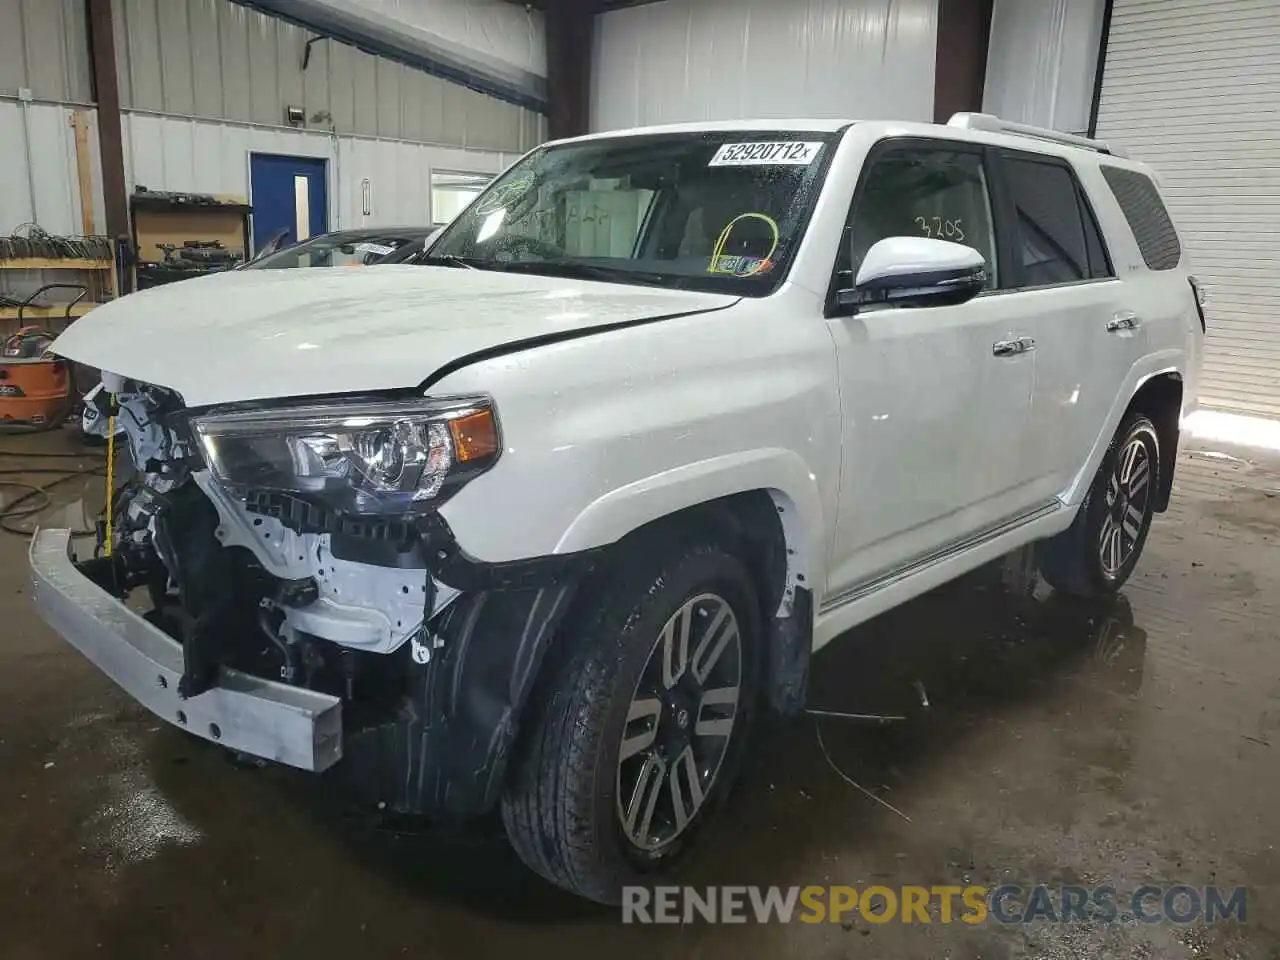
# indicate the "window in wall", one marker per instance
pixel 451 192
pixel 1058 240
pixel 922 192
pixel 1148 219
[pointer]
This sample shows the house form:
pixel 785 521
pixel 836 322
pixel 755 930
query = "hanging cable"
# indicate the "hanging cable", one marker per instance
pixel 108 510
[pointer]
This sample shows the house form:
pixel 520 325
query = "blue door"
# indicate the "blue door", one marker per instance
pixel 290 194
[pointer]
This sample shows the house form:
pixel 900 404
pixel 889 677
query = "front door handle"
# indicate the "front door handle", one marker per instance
pixel 1123 321
pixel 1012 348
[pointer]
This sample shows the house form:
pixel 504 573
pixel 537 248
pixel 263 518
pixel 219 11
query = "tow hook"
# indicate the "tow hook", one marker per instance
pixel 419 648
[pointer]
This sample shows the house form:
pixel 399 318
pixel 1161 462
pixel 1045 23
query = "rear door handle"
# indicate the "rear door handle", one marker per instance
pixel 1123 321
pixel 1012 348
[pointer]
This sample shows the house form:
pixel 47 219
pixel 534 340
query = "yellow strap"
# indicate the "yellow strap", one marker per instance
pixel 111 477
pixel 718 251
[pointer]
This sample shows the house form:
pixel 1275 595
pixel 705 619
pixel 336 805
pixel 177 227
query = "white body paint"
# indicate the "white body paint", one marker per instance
pixel 883 437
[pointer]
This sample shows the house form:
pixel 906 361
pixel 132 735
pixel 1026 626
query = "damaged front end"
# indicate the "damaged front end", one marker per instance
pixel 298 547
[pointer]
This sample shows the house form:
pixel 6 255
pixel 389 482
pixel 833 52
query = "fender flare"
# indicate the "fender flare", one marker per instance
pixel 447 754
pixel 781 472
pixel 1148 368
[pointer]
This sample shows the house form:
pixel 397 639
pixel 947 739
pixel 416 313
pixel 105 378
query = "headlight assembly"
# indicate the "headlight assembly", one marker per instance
pixel 374 458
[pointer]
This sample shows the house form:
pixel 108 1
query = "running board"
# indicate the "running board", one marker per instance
pixel 957 548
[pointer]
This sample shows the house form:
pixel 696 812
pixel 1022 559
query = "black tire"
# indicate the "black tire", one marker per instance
pixel 1073 562
pixel 561 805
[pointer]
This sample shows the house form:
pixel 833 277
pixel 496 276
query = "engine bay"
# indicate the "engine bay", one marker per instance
pixel 250 578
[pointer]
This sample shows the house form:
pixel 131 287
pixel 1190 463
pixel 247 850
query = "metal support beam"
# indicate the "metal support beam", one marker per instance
pixel 362 25
pixel 570 30
pixel 106 93
pixel 1100 71
pixel 960 72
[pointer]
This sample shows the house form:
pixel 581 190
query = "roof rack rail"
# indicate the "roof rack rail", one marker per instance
pixel 993 124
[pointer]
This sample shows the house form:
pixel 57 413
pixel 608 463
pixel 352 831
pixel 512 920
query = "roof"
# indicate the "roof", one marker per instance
pixel 980 128
pixel 714 126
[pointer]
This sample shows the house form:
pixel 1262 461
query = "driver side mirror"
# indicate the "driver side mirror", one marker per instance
pixel 916 272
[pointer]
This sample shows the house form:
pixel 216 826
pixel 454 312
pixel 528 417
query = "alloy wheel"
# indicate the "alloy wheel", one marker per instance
pixel 1128 506
pixel 679 722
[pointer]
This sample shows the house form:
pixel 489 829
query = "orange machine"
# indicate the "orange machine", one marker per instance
pixel 35 386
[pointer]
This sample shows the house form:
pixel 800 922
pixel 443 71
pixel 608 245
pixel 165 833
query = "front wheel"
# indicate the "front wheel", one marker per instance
pixel 641 722
pixel 1098 552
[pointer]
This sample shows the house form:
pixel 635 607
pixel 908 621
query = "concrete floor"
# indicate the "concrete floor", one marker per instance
pixel 1061 744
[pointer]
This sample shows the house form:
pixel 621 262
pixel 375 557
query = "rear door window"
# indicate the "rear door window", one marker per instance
pixel 1057 238
pixel 1148 219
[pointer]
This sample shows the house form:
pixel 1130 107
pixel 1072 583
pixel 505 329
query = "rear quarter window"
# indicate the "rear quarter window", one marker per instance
pixel 1148 219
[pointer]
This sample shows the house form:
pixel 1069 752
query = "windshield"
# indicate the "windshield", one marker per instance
pixel 334 250
pixel 721 212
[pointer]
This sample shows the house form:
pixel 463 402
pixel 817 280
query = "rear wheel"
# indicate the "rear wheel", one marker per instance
pixel 1098 552
pixel 641 723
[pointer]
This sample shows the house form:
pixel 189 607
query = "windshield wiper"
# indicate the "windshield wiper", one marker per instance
pixel 584 271
pixel 449 260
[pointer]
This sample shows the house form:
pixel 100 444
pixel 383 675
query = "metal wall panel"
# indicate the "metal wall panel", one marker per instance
pixel 413 94
pixel 453 113
pixel 233 47
pixel 141 73
pixel 317 83
pixel 55 204
pixel 44 47
pixel 1192 88
pixel 1042 61
pixel 206 57
pixel 221 60
pixel 721 59
pixel 265 102
pixel 364 74
pixel 388 93
pixel 291 43
pixel 13 55
pixel 399 176
pixel 177 82
pixel 342 84
pixel 167 153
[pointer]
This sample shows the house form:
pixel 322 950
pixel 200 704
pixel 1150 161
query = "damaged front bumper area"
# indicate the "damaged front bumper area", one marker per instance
pixel 307 619
pixel 287 724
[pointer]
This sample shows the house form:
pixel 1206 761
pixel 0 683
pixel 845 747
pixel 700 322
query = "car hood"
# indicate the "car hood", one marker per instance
pixel 265 334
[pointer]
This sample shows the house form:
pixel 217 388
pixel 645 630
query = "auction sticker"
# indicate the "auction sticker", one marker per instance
pixel 791 153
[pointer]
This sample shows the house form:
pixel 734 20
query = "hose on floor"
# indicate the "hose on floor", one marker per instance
pixel 34 498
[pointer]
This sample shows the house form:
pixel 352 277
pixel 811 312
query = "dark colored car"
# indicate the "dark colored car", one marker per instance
pixel 346 248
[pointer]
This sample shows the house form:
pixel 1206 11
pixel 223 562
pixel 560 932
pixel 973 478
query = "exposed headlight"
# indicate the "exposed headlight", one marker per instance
pixel 381 458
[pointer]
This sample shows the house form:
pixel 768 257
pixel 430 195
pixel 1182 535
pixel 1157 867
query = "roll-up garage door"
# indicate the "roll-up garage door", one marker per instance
pixel 1193 88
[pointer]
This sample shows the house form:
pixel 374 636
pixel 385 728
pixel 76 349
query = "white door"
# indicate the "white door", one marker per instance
pixel 935 405
pixel 1191 87
pixel 1063 285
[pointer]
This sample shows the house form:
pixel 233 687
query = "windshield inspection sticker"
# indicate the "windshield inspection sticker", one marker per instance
pixel 791 153
pixel 742 266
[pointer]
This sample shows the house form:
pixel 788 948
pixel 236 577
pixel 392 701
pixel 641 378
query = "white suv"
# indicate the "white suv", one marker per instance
pixel 540 521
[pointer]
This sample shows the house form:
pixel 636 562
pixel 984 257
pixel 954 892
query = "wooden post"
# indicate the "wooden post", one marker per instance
pixel 84 172
pixel 106 89
pixel 960 70
pixel 570 34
